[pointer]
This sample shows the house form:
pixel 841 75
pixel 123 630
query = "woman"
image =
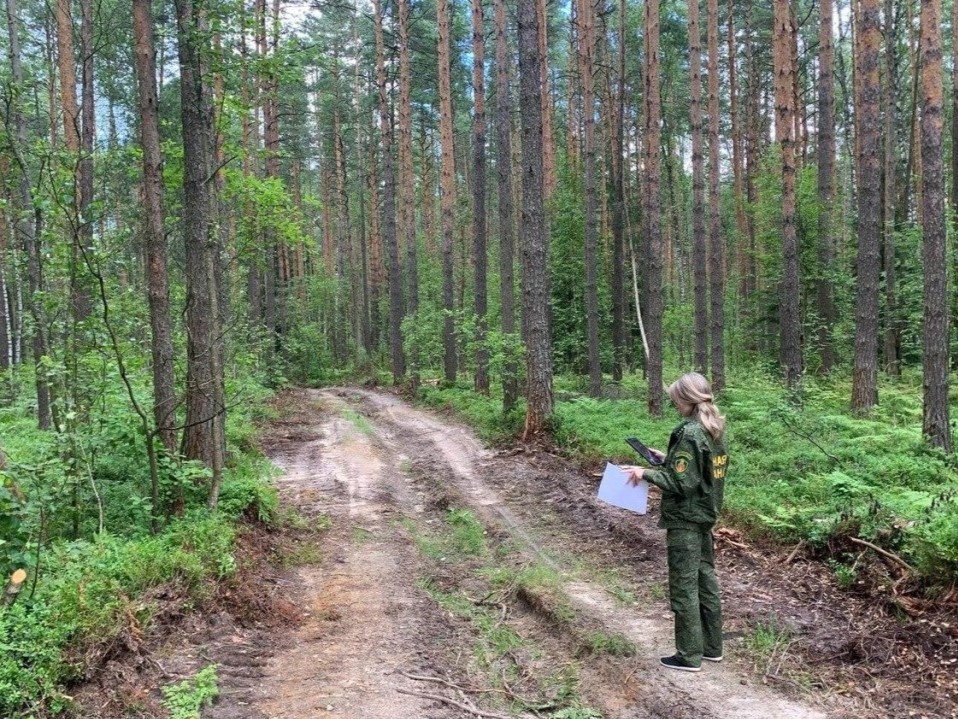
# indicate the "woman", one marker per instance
pixel 692 481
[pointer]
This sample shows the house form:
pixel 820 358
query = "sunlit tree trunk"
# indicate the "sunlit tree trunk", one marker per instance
pixel 936 424
pixel 865 368
pixel 548 137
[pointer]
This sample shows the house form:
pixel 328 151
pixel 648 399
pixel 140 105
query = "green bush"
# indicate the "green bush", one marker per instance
pixel 90 593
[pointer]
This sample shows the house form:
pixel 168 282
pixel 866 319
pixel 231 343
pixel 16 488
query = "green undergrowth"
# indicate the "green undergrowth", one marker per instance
pixel 476 579
pixel 803 469
pixel 98 576
pixel 187 699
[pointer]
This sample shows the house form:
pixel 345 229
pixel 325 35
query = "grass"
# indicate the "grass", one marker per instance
pixel 459 547
pixel 811 471
pixel 766 640
pixel 358 421
pixel 614 645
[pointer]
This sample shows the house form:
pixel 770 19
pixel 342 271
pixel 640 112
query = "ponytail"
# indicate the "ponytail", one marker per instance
pixel 693 390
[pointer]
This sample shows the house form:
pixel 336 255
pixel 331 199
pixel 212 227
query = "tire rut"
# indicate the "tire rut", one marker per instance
pixel 454 453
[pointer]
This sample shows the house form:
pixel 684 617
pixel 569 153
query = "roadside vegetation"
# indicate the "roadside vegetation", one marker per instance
pixel 804 468
pixel 102 562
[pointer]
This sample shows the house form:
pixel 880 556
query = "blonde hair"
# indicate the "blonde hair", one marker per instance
pixel 693 390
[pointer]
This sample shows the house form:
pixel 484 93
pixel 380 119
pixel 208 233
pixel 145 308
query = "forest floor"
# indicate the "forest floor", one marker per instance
pixel 432 577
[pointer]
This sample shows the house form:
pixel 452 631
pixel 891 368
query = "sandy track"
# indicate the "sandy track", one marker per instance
pixel 366 621
pixel 715 692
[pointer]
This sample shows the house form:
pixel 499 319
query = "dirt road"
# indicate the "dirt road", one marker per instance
pixel 375 467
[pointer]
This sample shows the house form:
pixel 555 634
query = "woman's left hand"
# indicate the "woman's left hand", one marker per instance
pixel 634 474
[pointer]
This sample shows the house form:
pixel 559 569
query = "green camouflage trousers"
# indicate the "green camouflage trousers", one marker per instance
pixel 694 594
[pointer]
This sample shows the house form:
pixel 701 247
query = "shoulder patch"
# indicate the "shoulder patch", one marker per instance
pixel 681 461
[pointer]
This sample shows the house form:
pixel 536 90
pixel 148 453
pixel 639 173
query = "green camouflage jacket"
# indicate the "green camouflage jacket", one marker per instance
pixel 692 479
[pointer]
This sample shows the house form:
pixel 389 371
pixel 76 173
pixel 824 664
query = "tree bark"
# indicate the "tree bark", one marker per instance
pixel 738 157
pixel 389 205
pixel 791 351
pixel 510 388
pixel 619 331
pixel 407 186
pixel 653 142
pixel 826 186
pixel 548 138
pixel 891 157
pixel 586 52
pixel 699 247
pixel 83 303
pixel 154 238
pixel 199 436
pixel 479 194
pixel 936 424
pixel 447 191
pixel 716 241
pixel 535 244
pixel 865 368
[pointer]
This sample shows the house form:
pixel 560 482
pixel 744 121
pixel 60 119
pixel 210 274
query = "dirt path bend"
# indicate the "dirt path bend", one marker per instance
pixel 718 691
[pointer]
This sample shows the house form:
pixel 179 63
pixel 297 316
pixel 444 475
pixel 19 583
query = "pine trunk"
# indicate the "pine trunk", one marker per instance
pixel 865 368
pixel 586 75
pixel 716 241
pixel 699 247
pixel 154 238
pixel 389 205
pixel 891 151
pixel 653 148
pixel 548 138
pixel 791 352
pixel 533 238
pixel 199 437
pixel 936 425
pixel 447 191
pixel 407 186
pixel 510 389
pixel 619 331
pixel 479 194
pixel 738 157
pixel 826 186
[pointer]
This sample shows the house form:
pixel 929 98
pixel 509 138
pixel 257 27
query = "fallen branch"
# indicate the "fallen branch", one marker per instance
pixel 794 553
pixel 437 680
pixel 446 700
pixel 885 553
pixel 13 587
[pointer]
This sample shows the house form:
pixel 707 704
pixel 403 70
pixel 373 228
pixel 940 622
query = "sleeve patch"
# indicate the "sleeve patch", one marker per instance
pixel 681 463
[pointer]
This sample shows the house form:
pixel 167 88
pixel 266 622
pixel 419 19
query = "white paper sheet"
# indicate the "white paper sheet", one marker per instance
pixel 615 490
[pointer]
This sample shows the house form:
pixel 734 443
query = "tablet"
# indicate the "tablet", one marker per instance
pixel 647 454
